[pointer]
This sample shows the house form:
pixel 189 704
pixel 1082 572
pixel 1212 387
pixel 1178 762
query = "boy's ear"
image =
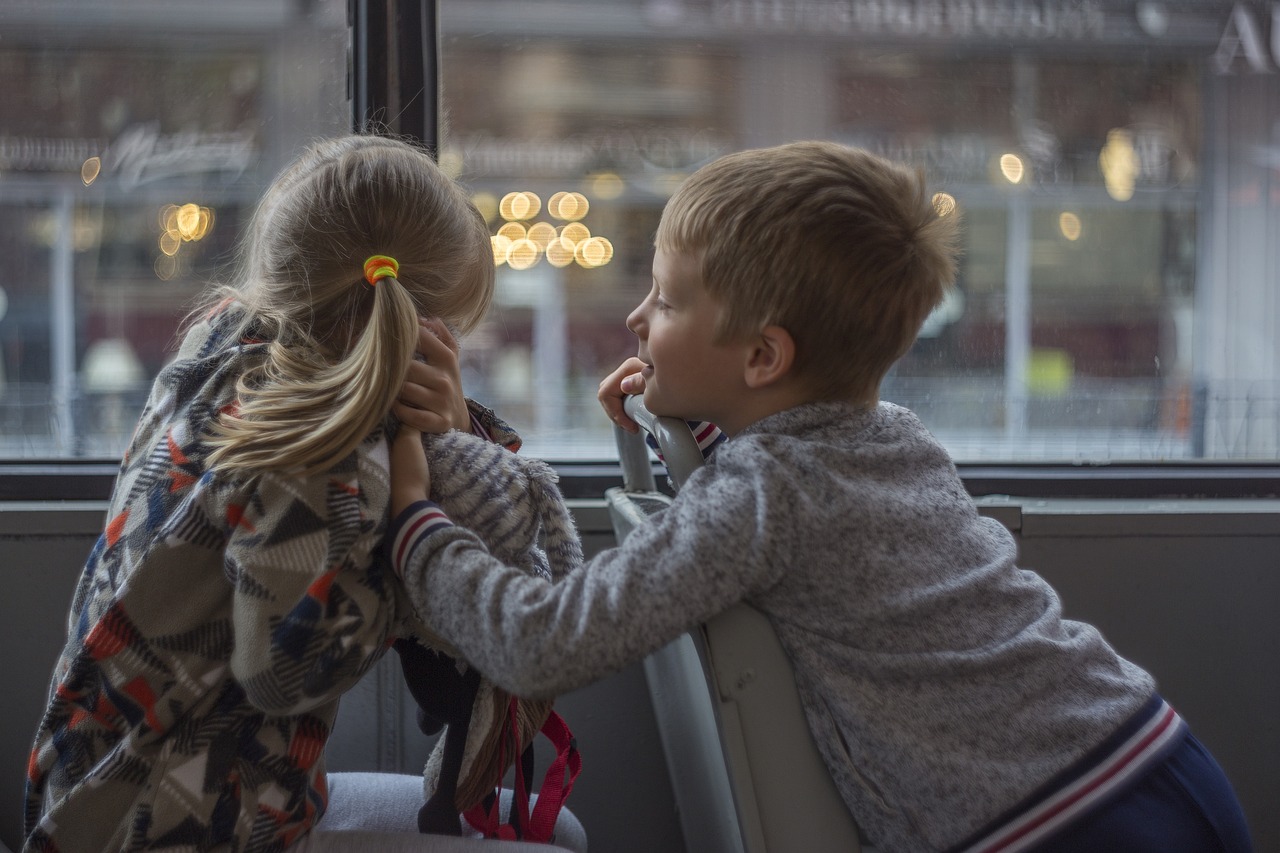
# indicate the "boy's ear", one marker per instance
pixel 770 357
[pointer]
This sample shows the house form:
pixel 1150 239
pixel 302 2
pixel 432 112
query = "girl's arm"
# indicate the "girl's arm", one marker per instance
pixel 431 399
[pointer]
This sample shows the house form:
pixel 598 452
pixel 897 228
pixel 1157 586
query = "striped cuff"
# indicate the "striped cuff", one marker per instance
pixel 1138 746
pixel 417 522
pixel 708 435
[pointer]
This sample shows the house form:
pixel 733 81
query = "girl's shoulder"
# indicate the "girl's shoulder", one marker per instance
pixel 225 326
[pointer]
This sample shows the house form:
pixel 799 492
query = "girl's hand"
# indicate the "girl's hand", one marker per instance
pixel 410 477
pixel 623 382
pixel 431 398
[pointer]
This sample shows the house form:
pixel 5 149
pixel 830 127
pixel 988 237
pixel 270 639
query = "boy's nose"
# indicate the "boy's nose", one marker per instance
pixel 635 320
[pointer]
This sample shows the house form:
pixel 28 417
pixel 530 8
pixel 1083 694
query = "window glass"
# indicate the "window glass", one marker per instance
pixel 134 138
pixel 1114 163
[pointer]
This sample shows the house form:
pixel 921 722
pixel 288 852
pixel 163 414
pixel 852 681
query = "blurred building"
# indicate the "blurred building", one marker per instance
pixel 1115 163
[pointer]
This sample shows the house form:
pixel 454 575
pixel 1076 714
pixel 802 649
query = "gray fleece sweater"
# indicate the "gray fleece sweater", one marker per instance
pixel 940 680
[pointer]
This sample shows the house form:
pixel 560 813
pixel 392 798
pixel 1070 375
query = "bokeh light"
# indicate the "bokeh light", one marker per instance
pixel 1069 225
pixel 90 169
pixel 944 203
pixel 1012 168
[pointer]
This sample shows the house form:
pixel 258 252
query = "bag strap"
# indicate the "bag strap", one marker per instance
pixel 540 825
pixel 555 788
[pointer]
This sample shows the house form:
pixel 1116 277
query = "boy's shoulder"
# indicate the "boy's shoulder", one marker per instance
pixel 821 420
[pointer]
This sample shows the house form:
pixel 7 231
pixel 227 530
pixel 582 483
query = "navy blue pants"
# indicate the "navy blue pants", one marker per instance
pixel 1183 805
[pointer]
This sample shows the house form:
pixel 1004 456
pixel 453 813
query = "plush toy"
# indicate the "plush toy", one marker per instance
pixel 514 505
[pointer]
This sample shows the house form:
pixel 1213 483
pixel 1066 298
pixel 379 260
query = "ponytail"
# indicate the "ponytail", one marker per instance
pixel 298 413
pixel 339 343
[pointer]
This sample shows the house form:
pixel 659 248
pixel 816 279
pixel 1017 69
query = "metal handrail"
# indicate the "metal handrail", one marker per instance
pixel 676 444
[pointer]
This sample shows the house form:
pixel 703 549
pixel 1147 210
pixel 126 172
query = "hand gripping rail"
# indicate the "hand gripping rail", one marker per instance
pixel 744 769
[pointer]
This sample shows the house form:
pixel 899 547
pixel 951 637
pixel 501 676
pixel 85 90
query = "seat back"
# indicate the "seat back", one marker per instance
pixel 746 773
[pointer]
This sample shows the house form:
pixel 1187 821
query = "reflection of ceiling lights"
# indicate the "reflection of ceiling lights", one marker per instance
pixel 520 245
pixel 1012 168
pixel 1069 225
pixel 179 223
pixel 90 170
pixel 183 224
pixel 1119 164
pixel 944 203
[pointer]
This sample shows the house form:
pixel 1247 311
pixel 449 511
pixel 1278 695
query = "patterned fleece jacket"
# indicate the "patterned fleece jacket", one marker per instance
pixel 216 624
pixel 949 698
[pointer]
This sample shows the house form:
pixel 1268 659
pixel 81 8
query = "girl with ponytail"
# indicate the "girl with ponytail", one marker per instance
pixel 239 589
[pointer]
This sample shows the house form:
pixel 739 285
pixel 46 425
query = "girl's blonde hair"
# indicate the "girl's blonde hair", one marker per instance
pixel 838 246
pixel 338 347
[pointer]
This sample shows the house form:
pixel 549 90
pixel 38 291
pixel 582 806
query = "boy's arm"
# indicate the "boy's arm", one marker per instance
pixel 537 639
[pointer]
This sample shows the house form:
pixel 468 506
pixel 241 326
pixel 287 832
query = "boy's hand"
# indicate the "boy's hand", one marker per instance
pixel 431 398
pixel 410 477
pixel 623 382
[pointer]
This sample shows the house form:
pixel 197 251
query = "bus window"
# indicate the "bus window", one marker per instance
pixel 133 141
pixel 1111 162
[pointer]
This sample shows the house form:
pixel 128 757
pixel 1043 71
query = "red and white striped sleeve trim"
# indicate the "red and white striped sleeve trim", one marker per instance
pixel 708 436
pixel 412 526
pixel 1134 755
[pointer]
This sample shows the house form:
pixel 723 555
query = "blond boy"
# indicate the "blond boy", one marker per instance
pixel 953 706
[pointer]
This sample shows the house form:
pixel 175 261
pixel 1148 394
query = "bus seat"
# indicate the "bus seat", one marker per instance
pixel 745 771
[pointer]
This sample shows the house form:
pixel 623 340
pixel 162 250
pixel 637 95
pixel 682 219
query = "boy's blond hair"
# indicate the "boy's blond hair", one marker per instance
pixel 842 248
pixel 338 347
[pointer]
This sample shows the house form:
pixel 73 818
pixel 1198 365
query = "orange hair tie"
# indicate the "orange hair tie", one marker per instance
pixel 378 267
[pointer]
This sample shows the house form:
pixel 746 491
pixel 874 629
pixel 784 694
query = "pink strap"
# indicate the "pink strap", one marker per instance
pixel 540 825
pixel 555 788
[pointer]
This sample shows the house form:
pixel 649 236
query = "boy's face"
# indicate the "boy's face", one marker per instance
pixel 687 376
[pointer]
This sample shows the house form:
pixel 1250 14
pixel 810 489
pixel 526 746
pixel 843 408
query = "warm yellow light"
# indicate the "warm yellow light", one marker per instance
pixel 513 231
pixel 944 203
pixel 570 206
pixel 607 185
pixel 501 245
pixel 451 162
pixel 542 233
pixel 1069 225
pixel 553 204
pixel 1119 164
pixel 204 223
pixel 1011 167
pixel 522 254
pixel 166 267
pixel 487 204
pixel 188 221
pixel 593 252
pixel 516 206
pixel 560 252
pixel 575 233
pixel 170 242
pixel 507 207
pixel 90 169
